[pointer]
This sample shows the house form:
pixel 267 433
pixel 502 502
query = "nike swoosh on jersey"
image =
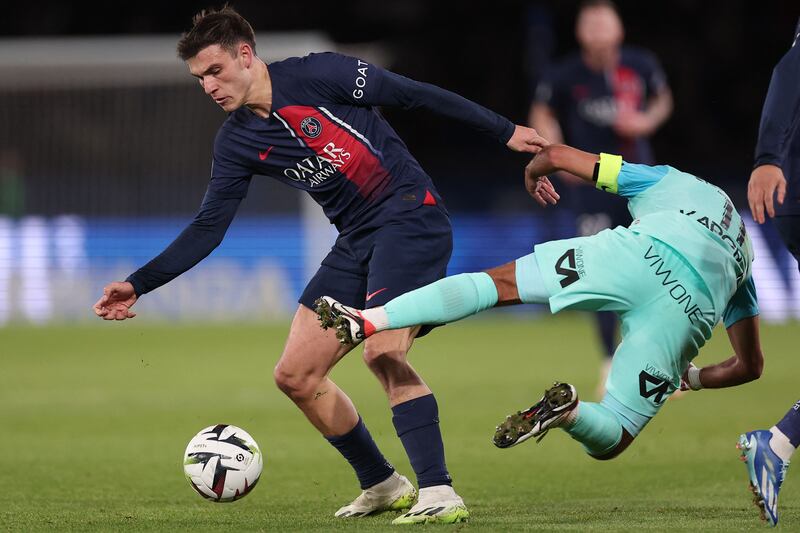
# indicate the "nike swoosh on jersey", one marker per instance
pixel 263 155
pixel 370 295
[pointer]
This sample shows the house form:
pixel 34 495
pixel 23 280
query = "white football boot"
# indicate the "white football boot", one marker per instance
pixel 436 504
pixel 395 493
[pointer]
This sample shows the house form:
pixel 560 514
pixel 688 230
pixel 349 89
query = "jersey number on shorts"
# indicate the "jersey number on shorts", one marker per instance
pixel 660 389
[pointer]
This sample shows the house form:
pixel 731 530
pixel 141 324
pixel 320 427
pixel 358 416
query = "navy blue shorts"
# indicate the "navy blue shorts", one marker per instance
pixel 373 263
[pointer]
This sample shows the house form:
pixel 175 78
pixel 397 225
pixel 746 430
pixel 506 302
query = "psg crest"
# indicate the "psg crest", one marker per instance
pixel 311 127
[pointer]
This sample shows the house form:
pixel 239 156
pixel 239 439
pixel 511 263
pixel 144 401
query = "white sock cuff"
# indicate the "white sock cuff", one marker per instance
pixel 781 444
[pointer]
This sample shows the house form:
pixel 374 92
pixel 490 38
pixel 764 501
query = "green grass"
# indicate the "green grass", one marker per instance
pixel 95 420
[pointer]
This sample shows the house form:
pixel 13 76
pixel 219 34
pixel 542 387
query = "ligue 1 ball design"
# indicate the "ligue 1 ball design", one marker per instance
pixel 222 463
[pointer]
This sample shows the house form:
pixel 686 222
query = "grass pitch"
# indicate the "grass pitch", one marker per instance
pixel 95 420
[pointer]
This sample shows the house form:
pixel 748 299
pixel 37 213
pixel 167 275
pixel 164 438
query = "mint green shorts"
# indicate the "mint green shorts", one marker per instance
pixel 665 308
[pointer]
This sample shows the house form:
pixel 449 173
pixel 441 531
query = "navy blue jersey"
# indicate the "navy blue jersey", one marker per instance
pixel 325 136
pixel 778 139
pixel 586 101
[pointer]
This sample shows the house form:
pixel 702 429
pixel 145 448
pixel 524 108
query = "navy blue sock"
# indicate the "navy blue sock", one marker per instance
pixel 790 425
pixel 363 455
pixel 417 425
pixel 607 326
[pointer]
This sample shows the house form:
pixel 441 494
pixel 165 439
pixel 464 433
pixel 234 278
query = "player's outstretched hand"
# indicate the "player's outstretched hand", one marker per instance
pixel 764 182
pixel 116 302
pixel 541 189
pixel 526 140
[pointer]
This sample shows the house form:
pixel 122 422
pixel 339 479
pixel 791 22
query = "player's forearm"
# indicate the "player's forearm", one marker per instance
pixel 541 118
pixel 659 109
pixel 411 94
pixel 560 157
pixel 780 111
pixel 729 373
pixel 193 245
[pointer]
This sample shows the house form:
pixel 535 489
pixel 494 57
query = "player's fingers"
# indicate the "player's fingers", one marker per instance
pixel 751 201
pixel 131 314
pixel 551 190
pixel 781 191
pixel 769 203
pixel 758 208
pixel 546 193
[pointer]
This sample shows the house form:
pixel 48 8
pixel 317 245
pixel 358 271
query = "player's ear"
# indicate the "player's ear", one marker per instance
pixel 246 53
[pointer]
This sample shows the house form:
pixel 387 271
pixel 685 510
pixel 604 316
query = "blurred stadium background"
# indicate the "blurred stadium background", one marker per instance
pixel 105 147
pixel 105 140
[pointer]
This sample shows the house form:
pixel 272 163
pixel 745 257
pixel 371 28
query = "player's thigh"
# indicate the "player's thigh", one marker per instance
pixel 659 339
pixel 408 253
pixel 310 351
pixel 342 274
pixel 597 273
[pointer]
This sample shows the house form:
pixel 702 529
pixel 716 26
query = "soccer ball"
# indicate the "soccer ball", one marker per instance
pixel 222 463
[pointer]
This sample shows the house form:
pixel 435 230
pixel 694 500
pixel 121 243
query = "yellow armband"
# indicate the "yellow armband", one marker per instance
pixel 608 172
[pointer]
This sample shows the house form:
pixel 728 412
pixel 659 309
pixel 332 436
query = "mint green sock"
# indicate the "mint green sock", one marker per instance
pixel 446 300
pixel 596 427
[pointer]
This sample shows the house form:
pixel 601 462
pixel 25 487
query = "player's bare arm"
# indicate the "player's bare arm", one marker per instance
pixel 633 123
pixel 543 118
pixel 744 366
pixel 553 158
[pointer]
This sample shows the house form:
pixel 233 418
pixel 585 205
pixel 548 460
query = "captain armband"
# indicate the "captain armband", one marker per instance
pixel 606 172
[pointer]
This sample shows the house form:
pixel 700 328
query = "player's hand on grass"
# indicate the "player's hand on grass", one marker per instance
pixel 116 302
pixel 526 140
pixel 764 182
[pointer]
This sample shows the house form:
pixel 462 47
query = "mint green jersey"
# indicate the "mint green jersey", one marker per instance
pixel 695 218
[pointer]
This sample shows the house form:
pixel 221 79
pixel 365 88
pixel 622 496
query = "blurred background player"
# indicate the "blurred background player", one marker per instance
pixel 767 452
pixel 604 98
pixel 310 123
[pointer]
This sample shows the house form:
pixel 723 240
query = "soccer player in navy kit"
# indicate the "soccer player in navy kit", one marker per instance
pixel 767 452
pixel 311 123
pixel 605 98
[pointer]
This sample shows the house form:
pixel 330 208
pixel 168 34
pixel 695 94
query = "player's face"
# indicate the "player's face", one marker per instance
pixel 599 30
pixel 225 78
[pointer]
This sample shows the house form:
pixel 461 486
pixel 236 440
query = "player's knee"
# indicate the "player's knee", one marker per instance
pixel 505 281
pixel 295 384
pixel 615 452
pixel 380 354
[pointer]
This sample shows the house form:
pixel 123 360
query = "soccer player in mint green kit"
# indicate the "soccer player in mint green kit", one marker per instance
pixel 682 265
